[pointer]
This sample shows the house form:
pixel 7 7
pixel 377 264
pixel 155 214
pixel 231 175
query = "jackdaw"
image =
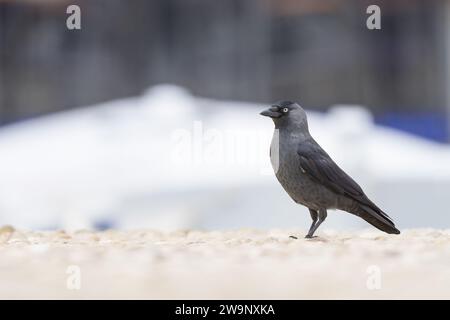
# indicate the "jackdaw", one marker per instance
pixel 311 177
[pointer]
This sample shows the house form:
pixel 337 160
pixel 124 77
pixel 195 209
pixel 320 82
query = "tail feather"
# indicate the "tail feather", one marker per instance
pixel 379 220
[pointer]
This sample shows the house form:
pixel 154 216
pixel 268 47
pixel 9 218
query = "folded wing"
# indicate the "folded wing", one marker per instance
pixel 315 162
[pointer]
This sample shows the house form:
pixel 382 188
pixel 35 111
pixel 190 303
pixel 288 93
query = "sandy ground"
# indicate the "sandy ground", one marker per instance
pixel 241 264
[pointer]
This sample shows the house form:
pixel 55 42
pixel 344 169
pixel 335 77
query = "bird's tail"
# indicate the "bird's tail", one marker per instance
pixel 376 217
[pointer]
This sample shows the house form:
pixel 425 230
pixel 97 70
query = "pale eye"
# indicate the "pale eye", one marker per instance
pixel 285 110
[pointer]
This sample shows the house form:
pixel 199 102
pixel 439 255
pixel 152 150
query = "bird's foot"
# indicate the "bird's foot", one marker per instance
pixel 308 236
pixel 293 237
pixel 316 239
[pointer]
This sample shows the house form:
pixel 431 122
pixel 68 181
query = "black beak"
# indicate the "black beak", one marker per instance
pixel 272 112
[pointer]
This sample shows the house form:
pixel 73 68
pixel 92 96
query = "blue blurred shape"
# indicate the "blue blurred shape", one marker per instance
pixel 104 224
pixel 430 125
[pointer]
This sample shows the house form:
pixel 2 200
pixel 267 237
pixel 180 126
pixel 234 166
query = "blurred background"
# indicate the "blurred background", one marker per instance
pixel 148 115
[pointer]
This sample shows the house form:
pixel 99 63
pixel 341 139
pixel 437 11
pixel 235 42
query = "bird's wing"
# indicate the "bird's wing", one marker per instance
pixel 315 162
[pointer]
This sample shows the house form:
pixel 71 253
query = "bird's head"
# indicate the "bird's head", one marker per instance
pixel 287 113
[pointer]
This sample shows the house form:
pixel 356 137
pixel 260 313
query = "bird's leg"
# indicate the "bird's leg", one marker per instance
pixel 322 217
pixel 314 215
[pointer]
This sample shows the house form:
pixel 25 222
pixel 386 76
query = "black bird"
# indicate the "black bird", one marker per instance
pixel 311 177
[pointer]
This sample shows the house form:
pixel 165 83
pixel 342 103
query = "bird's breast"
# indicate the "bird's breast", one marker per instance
pixel 294 180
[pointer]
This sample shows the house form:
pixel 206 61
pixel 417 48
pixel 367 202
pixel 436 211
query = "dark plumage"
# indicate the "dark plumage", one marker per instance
pixel 311 177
